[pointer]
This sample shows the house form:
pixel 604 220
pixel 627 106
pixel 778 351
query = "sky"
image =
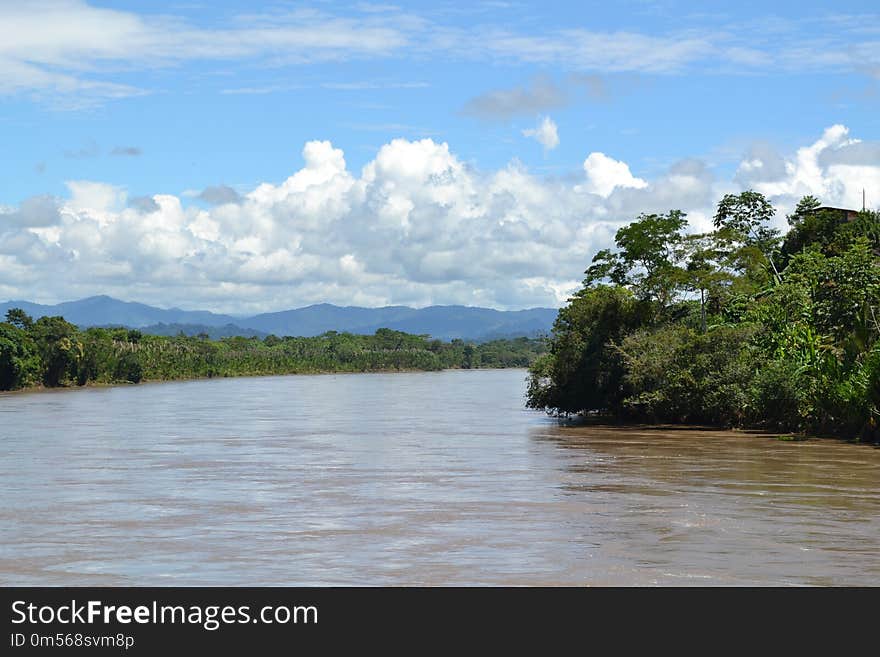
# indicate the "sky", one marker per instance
pixel 245 157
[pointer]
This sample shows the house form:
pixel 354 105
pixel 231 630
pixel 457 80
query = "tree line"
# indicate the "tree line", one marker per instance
pixel 739 326
pixel 52 352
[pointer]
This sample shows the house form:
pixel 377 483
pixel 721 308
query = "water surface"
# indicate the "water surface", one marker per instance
pixel 422 478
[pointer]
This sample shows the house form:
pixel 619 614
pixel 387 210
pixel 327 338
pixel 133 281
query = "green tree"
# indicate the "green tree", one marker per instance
pixel 129 368
pixel 59 348
pixel 844 292
pixel 583 370
pixel 809 227
pixel 744 218
pixel 704 272
pixel 648 260
pixel 18 317
pixel 469 352
pixel 674 374
pixel 19 363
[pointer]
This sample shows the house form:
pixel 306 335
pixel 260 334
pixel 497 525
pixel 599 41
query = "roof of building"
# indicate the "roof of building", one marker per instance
pixel 831 207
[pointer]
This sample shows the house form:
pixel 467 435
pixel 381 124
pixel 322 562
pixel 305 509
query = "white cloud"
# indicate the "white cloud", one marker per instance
pixel 415 226
pixel 545 133
pixel 71 53
pixel 60 48
pixel 605 174
pixel 94 197
pixel 835 169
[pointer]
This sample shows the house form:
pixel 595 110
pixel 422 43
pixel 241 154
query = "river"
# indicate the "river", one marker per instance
pixel 411 479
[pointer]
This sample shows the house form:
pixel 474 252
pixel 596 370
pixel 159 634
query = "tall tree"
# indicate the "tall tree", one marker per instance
pixel 704 271
pixel 649 257
pixel 59 348
pixel 18 317
pixel 745 217
pixel 18 360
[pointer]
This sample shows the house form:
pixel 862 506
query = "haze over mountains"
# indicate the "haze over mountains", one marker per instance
pixel 443 322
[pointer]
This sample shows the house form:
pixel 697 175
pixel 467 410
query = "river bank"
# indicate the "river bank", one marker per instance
pixel 740 326
pixel 600 422
pixel 51 352
pixel 98 385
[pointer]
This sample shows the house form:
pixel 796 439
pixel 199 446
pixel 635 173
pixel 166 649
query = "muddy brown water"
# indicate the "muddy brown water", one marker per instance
pixel 406 479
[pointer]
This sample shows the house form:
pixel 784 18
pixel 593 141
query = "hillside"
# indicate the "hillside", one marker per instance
pixel 442 322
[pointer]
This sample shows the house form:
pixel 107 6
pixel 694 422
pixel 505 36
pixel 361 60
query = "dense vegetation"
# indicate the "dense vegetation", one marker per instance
pixel 740 326
pixel 53 352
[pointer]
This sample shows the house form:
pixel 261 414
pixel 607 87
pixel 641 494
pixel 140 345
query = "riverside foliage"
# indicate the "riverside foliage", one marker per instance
pixel 53 352
pixel 740 326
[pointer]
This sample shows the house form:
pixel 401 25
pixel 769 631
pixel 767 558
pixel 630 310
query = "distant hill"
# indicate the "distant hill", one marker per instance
pixel 443 322
pixel 104 310
pixel 213 332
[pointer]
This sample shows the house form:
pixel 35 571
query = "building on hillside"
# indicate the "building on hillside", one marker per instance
pixel 845 214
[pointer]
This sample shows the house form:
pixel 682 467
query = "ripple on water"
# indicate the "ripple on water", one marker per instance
pixel 422 478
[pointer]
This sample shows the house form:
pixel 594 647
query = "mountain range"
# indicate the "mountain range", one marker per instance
pixel 442 322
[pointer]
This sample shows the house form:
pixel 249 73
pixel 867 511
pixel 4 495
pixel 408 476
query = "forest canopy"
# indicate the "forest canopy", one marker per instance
pixel 739 326
pixel 52 352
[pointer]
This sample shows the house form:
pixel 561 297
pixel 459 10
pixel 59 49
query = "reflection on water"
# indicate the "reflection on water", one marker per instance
pixel 423 478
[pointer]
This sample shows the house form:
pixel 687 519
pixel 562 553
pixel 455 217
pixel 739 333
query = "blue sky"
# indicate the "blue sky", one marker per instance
pixel 139 99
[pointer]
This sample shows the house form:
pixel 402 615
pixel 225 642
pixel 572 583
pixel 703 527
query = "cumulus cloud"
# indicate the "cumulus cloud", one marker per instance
pixel 605 174
pixel 835 168
pixel 145 204
pixel 416 225
pixel 545 133
pixel 94 197
pixel 36 211
pixel 853 152
pixel 762 162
